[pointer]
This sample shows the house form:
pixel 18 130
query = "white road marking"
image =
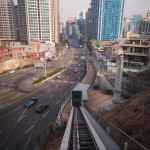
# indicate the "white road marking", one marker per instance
pixel 57 102
pixel 65 93
pixel 45 114
pixel 21 118
pixel 17 108
pixel 51 96
pixel 29 130
pixel 38 105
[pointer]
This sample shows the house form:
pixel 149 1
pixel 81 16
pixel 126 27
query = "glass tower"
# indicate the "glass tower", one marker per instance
pixel 7 22
pixel 108 16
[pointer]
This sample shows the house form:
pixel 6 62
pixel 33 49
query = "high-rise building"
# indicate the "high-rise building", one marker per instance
pixel 7 20
pixel 135 24
pixel 81 24
pixel 39 20
pixel 81 14
pixel 108 16
pixel 145 27
pixel 90 24
pixel 17 23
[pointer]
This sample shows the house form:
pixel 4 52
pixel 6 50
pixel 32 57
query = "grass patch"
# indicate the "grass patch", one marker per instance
pixel 4 72
pixel 95 87
pixel 27 66
pixel 109 92
pixel 49 75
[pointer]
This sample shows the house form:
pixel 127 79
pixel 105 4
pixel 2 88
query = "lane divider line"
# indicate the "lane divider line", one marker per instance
pixel 45 114
pixel 29 130
pixel 57 102
pixel 17 108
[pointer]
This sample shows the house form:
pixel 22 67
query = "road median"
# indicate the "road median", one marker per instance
pixel 52 74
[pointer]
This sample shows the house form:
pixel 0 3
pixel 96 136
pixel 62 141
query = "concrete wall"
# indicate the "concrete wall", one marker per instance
pixel 13 64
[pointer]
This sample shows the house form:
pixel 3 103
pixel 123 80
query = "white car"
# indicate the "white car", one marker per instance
pixel 58 77
pixel 12 71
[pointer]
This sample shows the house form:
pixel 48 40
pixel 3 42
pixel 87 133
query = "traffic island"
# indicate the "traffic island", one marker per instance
pixel 54 73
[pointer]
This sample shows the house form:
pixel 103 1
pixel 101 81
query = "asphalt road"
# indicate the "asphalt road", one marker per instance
pixel 18 124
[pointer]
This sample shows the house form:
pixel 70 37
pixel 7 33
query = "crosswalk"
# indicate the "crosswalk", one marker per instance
pixel 63 81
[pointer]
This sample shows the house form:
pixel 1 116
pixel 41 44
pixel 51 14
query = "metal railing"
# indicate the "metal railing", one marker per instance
pixel 123 140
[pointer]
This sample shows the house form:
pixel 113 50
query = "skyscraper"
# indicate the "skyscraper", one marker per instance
pixel 7 20
pixel 39 20
pixel 108 15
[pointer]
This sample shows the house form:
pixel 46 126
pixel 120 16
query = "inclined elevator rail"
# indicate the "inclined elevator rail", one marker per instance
pixel 81 138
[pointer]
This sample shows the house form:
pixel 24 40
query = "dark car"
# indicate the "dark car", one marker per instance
pixel 41 108
pixel 32 102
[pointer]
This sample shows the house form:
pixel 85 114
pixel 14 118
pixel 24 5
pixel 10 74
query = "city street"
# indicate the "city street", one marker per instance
pixel 25 122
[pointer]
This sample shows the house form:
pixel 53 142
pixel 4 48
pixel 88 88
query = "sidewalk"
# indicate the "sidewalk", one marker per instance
pixel 97 99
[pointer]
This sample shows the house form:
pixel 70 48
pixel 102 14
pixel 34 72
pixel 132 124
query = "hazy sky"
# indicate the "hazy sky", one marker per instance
pixel 70 7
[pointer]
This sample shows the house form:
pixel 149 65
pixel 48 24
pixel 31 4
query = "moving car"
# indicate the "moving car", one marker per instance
pixel 32 102
pixel 48 66
pixel 12 71
pixel 41 108
pixel 79 65
pixel 75 70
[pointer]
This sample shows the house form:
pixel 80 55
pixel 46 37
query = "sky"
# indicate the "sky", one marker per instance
pixel 71 7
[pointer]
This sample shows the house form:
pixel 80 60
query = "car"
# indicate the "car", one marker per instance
pixel 79 65
pixel 12 71
pixel 32 102
pixel 48 66
pixel 58 77
pixel 75 70
pixel 41 108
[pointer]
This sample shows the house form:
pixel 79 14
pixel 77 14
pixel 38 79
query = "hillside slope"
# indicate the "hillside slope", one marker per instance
pixel 133 117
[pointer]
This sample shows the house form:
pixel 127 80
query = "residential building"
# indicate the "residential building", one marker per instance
pixel 7 20
pixel 136 54
pixel 108 16
pixel 4 52
pixel 39 20
pixel 145 27
pixel 18 53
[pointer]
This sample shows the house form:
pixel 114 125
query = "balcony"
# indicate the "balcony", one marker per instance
pixel 136 54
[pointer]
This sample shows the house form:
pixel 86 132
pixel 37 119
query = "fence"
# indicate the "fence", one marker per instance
pixel 124 141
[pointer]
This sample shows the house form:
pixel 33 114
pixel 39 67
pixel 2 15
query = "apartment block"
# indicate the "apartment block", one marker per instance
pixel 39 20
pixel 7 20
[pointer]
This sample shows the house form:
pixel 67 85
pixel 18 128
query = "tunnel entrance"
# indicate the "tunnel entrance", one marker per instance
pixel 76 98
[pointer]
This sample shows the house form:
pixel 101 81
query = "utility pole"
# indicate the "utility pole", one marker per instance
pixel 118 80
pixel 45 66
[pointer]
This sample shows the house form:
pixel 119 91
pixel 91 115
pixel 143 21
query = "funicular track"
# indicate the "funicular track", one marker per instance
pixel 81 138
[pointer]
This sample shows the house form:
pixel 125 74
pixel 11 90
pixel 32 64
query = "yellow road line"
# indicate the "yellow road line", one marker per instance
pixel 25 96
pixel 14 101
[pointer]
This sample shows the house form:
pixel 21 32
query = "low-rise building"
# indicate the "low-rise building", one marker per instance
pixel 4 52
pixel 18 53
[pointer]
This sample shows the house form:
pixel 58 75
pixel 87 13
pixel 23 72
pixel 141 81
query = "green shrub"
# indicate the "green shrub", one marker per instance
pixel 48 75
pixel 109 92
pixel 27 66
pixel 96 87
